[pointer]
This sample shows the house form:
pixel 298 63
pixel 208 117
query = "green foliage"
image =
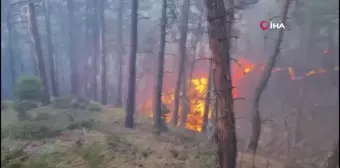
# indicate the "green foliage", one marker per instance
pixel 4 106
pixel 43 116
pixel 29 88
pixel 30 130
pixel 93 106
pixel 69 102
pixel 62 102
pixel 17 158
pixel 22 108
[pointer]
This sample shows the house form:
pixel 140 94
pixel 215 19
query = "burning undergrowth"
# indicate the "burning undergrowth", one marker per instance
pixel 198 88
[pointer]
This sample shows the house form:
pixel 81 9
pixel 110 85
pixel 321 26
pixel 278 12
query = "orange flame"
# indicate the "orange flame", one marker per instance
pixel 198 91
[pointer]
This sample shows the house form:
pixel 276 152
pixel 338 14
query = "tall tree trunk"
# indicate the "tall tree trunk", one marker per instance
pixel 102 52
pixel 95 53
pixel 73 64
pixel 130 106
pixel 121 52
pixel 182 54
pixel 330 57
pixel 38 50
pixel 158 121
pixel 89 10
pixel 255 114
pixel 54 87
pixel 207 101
pixel 10 29
pixel 219 31
pixel 11 52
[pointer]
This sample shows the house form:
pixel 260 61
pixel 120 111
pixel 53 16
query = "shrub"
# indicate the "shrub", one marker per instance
pixel 28 130
pixel 62 102
pixel 93 106
pixel 22 108
pixel 43 116
pixel 29 88
pixel 4 106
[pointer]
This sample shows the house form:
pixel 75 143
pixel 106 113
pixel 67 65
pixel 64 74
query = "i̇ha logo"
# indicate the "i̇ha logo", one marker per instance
pixel 265 25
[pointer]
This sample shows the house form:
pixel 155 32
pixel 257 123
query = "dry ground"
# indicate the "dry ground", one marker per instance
pixel 131 148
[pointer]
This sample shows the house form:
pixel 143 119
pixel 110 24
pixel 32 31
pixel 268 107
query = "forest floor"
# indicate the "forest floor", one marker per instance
pixel 109 144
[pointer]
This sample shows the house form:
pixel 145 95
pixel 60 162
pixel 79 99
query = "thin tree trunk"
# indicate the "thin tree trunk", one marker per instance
pixel 255 114
pixel 120 49
pixel 219 31
pixel 95 53
pixel 130 106
pixel 73 64
pixel 207 101
pixel 102 52
pixel 10 29
pixel 182 54
pixel 158 121
pixel 54 87
pixel 38 50
pixel 11 53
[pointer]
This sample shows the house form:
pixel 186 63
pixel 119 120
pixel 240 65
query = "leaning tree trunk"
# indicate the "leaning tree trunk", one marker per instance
pixel 73 64
pixel 130 106
pixel 102 51
pixel 158 121
pixel 182 54
pixel 120 50
pixel 219 31
pixel 255 114
pixel 54 87
pixel 38 50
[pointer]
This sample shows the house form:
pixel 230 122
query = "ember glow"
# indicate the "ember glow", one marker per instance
pixel 198 91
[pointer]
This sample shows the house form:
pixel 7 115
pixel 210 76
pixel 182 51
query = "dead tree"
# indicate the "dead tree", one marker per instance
pixel 38 49
pixel 255 113
pixel 130 106
pixel 50 53
pixel 182 54
pixel 219 30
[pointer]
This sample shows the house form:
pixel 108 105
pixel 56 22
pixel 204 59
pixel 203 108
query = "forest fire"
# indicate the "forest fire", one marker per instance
pixel 198 89
pixel 197 93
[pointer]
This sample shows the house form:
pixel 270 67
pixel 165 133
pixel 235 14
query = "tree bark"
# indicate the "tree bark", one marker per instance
pixel 255 114
pixel 207 102
pixel 73 64
pixel 102 52
pixel 38 50
pixel 54 87
pixel 158 121
pixel 182 54
pixel 219 31
pixel 130 106
pixel 120 50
